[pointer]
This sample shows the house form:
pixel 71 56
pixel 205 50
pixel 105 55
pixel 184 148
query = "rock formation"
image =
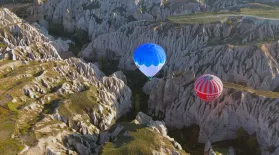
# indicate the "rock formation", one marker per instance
pixel 99 17
pixel 200 48
pixel 50 100
pixel 45 99
pixel 173 100
pixel 122 133
pixel 22 41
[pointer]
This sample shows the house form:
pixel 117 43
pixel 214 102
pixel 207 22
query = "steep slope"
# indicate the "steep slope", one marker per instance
pixel 54 106
pixel 141 136
pixel 53 98
pixel 22 41
pixel 174 101
pixel 102 16
pixel 44 101
pixel 243 51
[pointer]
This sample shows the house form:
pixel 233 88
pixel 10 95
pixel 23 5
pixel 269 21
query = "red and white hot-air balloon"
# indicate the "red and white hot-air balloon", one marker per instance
pixel 208 87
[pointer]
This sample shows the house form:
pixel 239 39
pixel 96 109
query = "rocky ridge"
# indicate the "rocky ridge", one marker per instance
pixel 99 17
pixel 22 41
pixel 48 98
pixel 218 120
pixel 216 48
pixel 54 106
pixel 240 49
pixel 108 140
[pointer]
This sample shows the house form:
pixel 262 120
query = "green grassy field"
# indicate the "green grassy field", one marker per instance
pixel 268 94
pixel 142 141
pixel 211 17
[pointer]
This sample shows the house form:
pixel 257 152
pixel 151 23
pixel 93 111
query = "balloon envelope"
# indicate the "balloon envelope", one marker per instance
pixel 208 87
pixel 149 58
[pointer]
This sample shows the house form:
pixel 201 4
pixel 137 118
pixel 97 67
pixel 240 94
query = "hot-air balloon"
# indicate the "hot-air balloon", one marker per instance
pixel 149 58
pixel 208 87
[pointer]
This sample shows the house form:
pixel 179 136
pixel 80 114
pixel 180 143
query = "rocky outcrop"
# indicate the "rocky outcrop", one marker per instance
pixel 22 41
pixel 174 101
pixel 203 49
pixel 91 144
pixel 63 98
pixel 98 17
pixel 54 97
pixel 208 149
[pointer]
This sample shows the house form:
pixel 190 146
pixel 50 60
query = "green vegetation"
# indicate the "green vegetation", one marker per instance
pixel 220 151
pixel 188 138
pixel 8 145
pixel 199 18
pixel 2 45
pixel 77 103
pixel 13 118
pixel 136 81
pixel 260 6
pixel 247 142
pixel 211 17
pixel 268 94
pixel 141 140
pixel 229 22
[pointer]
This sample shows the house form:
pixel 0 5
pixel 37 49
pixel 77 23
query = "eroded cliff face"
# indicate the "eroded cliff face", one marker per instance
pixel 22 41
pixel 99 17
pixel 233 52
pixel 143 136
pixel 54 106
pixel 45 99
pixel 174 101
pixel 238 49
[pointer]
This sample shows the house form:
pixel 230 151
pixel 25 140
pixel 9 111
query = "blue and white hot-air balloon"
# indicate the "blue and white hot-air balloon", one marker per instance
pixel 149 58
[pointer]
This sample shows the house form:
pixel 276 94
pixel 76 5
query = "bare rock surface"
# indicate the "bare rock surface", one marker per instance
pixel 23 41
pixel 45 99
pixel 176 103
pixel 84 144
pixel 99 17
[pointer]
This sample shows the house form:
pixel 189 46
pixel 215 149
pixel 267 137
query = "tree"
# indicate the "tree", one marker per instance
pixel 229 22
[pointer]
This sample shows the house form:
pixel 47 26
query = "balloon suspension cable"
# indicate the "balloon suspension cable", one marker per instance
pixel 150 78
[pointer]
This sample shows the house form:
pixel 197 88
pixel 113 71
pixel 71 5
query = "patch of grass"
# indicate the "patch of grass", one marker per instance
pixel 211 17
pixel 268 94
pixel 199 18
pixel 220 151
pixel 79 102
pixel 7 128
pixel 2 45
pixel 10 146
pixel 260 6
pixel 142 141
pixel 12 106
pixel 270 13
pixel 188 138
